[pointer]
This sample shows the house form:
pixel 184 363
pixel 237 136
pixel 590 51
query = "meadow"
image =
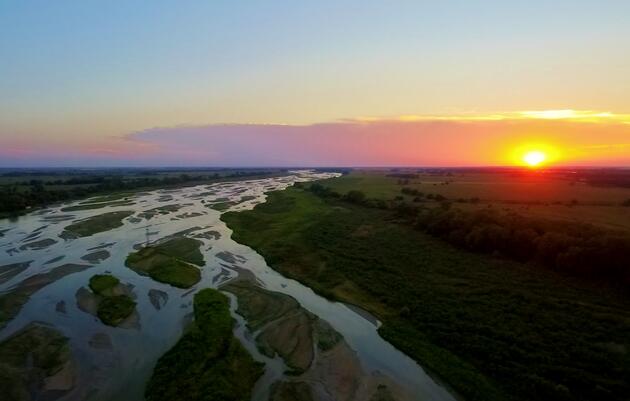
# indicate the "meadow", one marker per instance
pixel 531 193
pixel 492 328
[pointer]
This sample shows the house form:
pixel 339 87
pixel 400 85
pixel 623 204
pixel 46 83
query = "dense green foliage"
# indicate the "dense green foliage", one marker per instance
pixel 169 262
pixel 112 310
pixel 492 328
pixel 101 283
pixel 96 224
pixel 576 249
pixel 27 357
pixel 207 363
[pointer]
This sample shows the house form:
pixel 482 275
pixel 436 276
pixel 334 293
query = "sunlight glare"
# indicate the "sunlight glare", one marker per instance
pixel 534 158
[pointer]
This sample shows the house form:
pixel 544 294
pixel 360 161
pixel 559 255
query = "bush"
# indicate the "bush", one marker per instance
pixel 355 196
pixel 207 363
pixel 99 283
pixel 113 310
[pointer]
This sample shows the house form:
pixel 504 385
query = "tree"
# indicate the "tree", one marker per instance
pixel 355 196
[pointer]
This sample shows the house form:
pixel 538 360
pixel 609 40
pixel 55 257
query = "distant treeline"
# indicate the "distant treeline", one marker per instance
pixel 14 200
pixel 580 250
pixel 604 177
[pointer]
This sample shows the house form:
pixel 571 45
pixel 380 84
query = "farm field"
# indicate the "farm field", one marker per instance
pixel 532 194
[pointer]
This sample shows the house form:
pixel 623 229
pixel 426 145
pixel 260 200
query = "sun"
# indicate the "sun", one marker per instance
pixel 534 158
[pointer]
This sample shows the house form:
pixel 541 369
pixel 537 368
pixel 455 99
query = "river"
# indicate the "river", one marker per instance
pixel 119 368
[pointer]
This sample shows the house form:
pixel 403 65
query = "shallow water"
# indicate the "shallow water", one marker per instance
pixel 122 371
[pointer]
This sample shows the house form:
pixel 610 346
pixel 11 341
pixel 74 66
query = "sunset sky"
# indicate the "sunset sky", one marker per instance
pixel 333 83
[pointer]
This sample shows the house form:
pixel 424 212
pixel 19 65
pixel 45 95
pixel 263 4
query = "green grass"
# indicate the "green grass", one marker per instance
pixel 169 262
pixel 29 356
pixel 535 196
pixel 207 363
pixel 109 198
pixel 493 329
pixel 221 206
pixel 97 224
pixel 373 184
pixel 90 206
pixel 101 283
pixel 112 310
pixel 113 307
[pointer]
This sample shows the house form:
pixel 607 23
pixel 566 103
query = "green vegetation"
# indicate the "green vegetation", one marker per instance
pixel 96 256
pixel 109 300
pixel 554 195
pixel 207 363
pixel 108 198
pixel 102 284
pixel 96 224
pixel 30 358
pixel 40 244
pixel 493 329
pixel 112 310
pixel 169 262
pixel 166 209
pixel 573 248
pixel 221 206
pixel 90 206
pixel 291 391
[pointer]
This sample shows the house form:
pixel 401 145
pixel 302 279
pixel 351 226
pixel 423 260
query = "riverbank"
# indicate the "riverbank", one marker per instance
pixel 494 330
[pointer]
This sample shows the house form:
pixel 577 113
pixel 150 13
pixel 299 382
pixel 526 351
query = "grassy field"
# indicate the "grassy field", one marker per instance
pixel 531 195
pixel 97 224
pixel 102 284
pixel 28 359
pixel 169 262
pixel 91 206
pixel 207 363
pixel 493 329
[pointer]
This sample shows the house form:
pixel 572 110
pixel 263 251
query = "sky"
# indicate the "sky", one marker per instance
pixel 331 83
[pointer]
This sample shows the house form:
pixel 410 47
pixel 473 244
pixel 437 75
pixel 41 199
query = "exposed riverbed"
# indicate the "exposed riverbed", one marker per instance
pixel 115 362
